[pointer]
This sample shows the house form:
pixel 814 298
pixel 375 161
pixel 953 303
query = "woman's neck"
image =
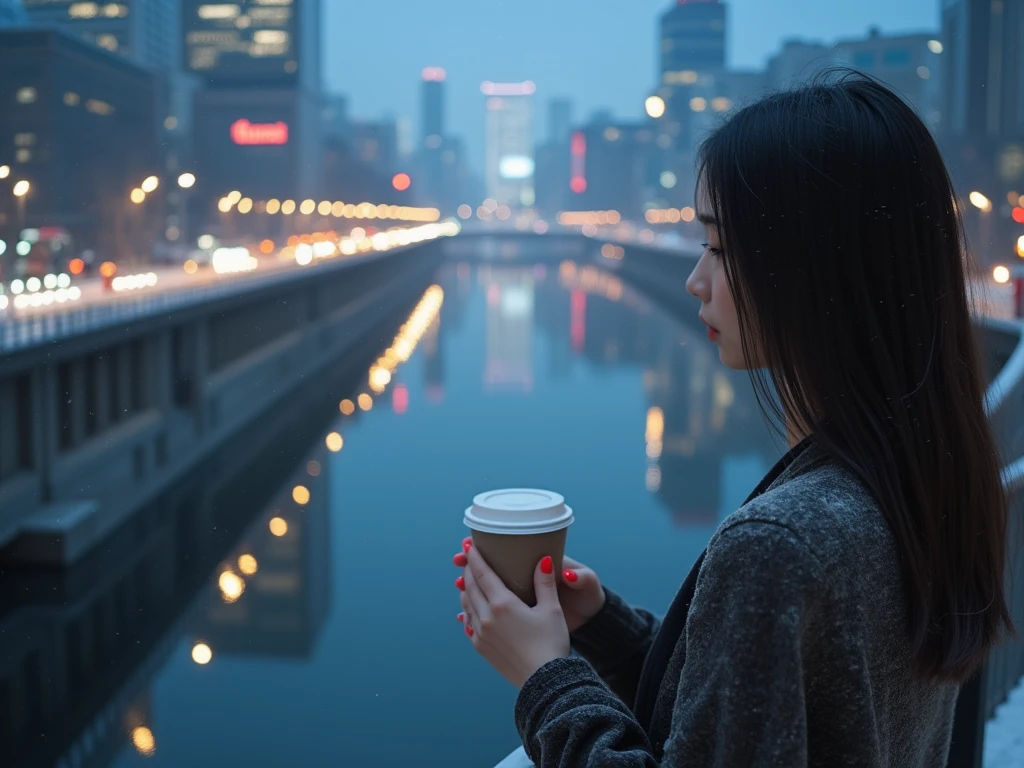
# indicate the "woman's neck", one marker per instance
pixel 794 433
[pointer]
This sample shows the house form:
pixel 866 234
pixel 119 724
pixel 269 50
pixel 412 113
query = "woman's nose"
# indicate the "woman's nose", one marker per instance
pixel 697 283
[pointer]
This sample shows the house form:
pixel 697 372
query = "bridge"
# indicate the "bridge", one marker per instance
pixel 141 427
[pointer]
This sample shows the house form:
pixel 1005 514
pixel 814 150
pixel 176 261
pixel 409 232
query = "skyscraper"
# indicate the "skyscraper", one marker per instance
pixel 692 40
pixel 509 164
pixel 692 61
pixel 559 120
pixel 259 127
pixel 433 104
pixel 982 129
pixel 146 31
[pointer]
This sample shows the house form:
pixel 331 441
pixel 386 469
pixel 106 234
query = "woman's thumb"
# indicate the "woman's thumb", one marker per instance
pixel 544 581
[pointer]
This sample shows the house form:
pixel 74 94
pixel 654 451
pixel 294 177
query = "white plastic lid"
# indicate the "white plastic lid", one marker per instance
pixel 518 511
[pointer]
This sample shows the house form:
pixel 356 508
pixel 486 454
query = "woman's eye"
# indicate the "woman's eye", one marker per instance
pixel 712 251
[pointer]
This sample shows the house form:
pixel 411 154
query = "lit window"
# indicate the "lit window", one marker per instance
pixel 720 104
pixel 935 46
pixel 24 139
pixel 83 10
pixel 171 122
pixel 219 11
pixel 115 10
pixel 698 104
pixel 99 107
pixel 26 95
pixel 924 73
pixel 71 99
pixel 107 41
pixel 23 155
pixel 270 37
pixel 612 134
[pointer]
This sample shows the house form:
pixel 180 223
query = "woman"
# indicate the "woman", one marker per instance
pixel 834 615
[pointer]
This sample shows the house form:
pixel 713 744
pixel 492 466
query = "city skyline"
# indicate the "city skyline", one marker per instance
pixel 474 43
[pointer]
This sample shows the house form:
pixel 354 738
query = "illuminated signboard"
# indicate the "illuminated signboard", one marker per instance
pixel 244 40
pixel 259 134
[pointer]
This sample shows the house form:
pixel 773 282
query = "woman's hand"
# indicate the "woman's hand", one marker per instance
pixel 516 639
pixel 580 593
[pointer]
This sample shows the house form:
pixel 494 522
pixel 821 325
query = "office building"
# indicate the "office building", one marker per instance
pixel 432 96
pixel 611 167
pixel 553 159
pixel 259 121
pixel 509 163
pixel 559 121
pixel 77 122
pixel 982 127
pixel 254 44
pixel 909 64
pixel 692 39
pixel 12 14
pixel 145 31
pixel 692 34
pixel 796 62
pixel 435 182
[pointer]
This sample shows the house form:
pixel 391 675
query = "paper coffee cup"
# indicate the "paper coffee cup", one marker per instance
pixel 514 528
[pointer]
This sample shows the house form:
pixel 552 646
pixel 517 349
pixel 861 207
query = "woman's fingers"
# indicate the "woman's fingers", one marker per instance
pixel 467 615
pixel 486 579
pixel 479 609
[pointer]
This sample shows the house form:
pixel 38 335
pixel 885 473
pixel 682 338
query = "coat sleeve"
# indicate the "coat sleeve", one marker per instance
pixel 740 699
pixel 616 642
pixel 740 696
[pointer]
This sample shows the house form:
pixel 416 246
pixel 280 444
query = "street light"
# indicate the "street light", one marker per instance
pixel 21 188
pixel 150 184
pixel 980 202
pixel 138 196
pixel 655 106
pixel 187 180
pixel 5 171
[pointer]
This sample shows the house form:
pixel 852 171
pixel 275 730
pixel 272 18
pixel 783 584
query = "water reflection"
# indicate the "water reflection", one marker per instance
pixel 292 601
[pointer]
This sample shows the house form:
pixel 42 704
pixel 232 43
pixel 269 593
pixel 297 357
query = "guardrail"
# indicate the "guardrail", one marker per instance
pixel 21 332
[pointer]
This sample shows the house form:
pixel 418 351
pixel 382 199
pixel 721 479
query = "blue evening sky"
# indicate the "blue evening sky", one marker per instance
pixel 602 53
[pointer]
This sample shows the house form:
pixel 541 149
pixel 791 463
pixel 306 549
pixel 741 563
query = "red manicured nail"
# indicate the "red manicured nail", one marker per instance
pixel 467 543
pixel 545 565
pixel 461 617
pixel 469 631
pixel 460 560
pixel 570 576
pixel 461 583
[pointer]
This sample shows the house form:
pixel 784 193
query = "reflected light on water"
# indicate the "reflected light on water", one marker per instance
pixel 653 479
pixel 334 441
pixel 300 494
pixel 143 741
pixel 247 564
pixel 201 653
pixel 278 526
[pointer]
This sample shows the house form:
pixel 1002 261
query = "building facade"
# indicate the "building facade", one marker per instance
pixel 145 31
pixel 910 64
pixel 76 123
pixel 509 162
pixel 983 117
pixel 259 122
pixel 692 53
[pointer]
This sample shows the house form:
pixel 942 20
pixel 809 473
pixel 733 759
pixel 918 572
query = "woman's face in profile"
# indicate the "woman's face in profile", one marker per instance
pixel 708 283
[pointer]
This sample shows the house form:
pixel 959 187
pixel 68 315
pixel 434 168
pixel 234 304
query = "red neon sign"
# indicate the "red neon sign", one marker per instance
pixel 245 133
pixel 578 169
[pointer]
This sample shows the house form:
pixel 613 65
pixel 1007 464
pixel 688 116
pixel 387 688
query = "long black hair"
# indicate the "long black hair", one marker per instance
pixel 844 252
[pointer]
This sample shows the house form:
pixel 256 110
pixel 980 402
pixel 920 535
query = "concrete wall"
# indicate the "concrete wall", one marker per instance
pixel 95 424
